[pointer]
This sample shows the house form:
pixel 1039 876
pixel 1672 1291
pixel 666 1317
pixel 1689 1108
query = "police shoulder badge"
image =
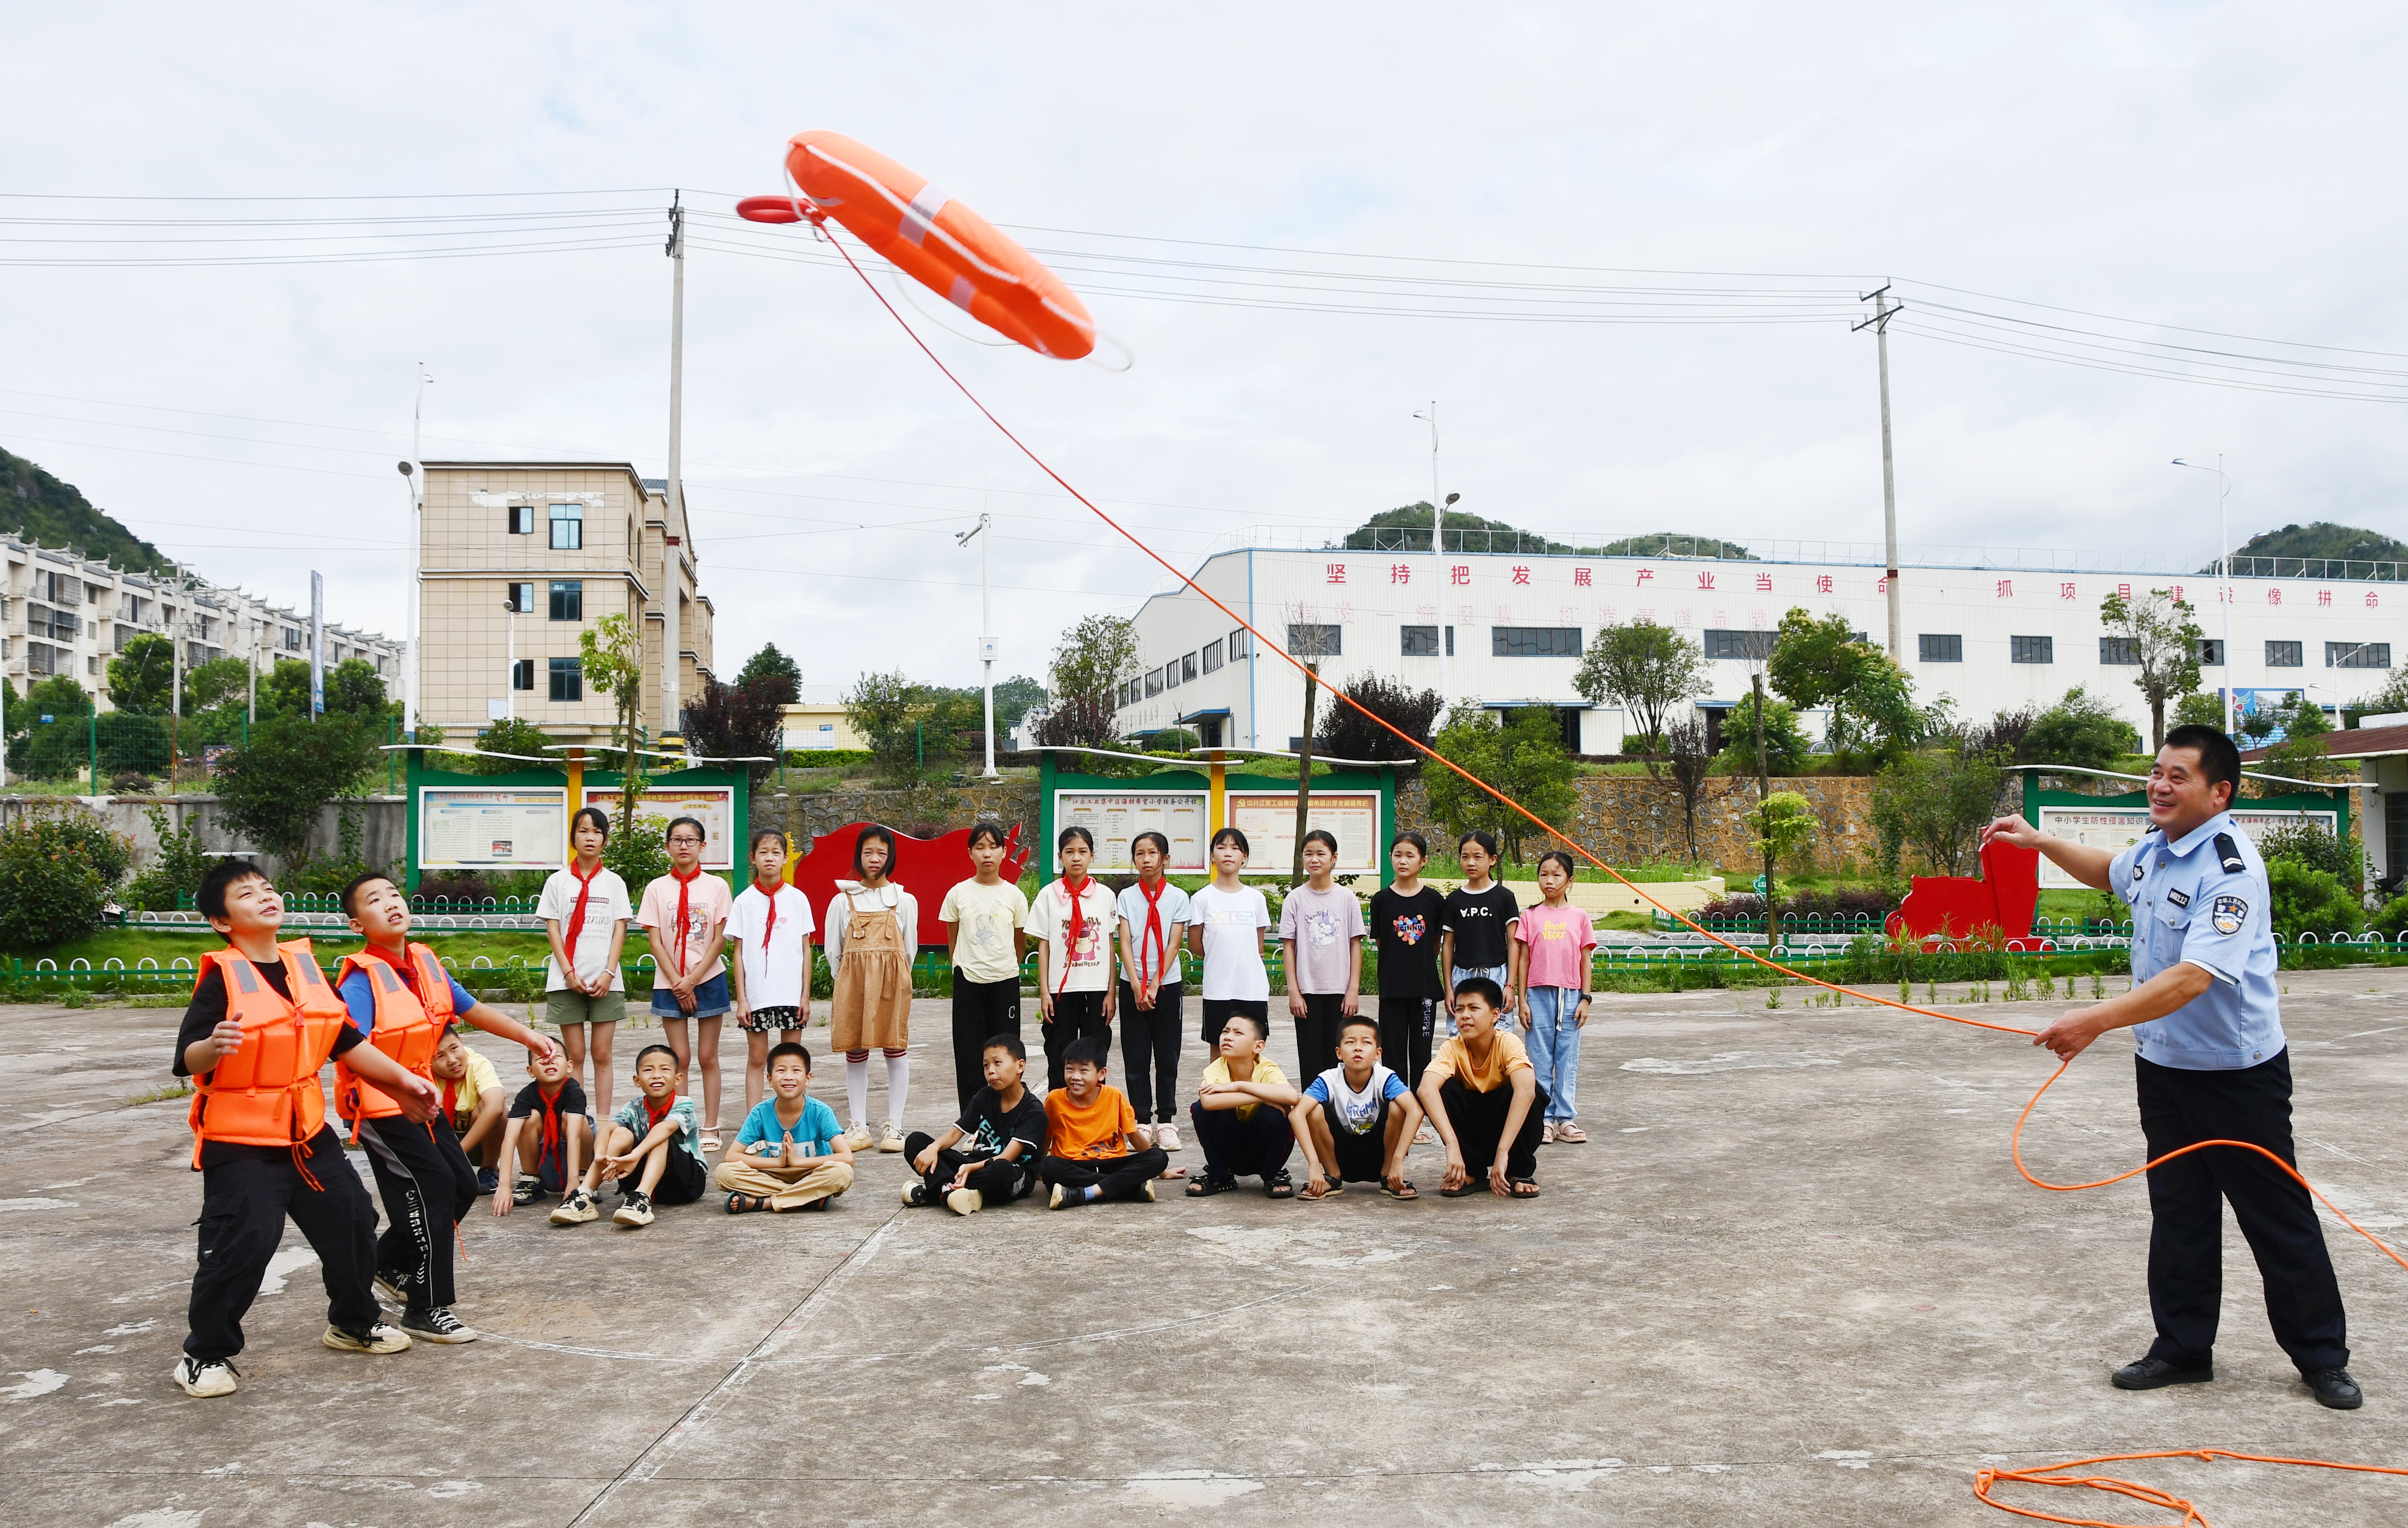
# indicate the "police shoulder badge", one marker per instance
pixel 2228 913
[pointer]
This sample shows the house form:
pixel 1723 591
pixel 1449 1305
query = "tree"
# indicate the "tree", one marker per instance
pixel 1786 746
pixel 2082 730
pixel 141 676
pixel 284 688
pixel 2164 641
pixel 353 688
pixel 1014 698
pixel 2389 701
pixel 507 736
pixel 771 664
pixel 1783 825
pixel 273 787
pixel 1095 657
pixel 2302 755
pixel 1643 667
pixel 882 707
pixel 1078 724
pixel 217 682
pixel 1872 699
pixel 611 652
pixel 59 695
pixel 1348 733
pixel 1523 758
pixel 2201 710
pixel 1689 769
pixel 737 720
pixel 1936 802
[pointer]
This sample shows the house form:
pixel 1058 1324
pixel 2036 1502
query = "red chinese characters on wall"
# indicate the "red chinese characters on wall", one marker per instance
pixel 2006 589
pixel 1822 583
pixel 1400 572
pixel 1459 573
pixel 1705 581
pixel 2065 592
pixel 2274 596
pixel 1521 573
pixel 1764 583
pixel 1646 575
pixel 1580 578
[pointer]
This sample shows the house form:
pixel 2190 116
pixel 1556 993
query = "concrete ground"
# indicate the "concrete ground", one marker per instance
pixel 1793 1278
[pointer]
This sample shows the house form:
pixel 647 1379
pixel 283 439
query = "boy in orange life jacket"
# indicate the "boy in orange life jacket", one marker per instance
pixel 403 1000
pixel 260 1025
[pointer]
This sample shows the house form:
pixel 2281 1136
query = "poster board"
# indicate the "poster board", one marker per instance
pixel 1267 819
pixel 498 828
pixel 714 805
pixel 1116 817
pixel 2117 828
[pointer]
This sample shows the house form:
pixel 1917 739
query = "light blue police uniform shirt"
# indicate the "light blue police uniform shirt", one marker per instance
pixel 2187 906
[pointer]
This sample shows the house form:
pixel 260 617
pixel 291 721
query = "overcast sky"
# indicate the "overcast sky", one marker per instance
pixel 2224 168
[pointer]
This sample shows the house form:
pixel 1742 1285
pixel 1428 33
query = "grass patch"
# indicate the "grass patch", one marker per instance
pixel 180 1088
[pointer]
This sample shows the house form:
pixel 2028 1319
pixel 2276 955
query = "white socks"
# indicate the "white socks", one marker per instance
pixel 857 1090
pixel 898 1087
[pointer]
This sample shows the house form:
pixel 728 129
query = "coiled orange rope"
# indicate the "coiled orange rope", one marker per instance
pixel 1983 1480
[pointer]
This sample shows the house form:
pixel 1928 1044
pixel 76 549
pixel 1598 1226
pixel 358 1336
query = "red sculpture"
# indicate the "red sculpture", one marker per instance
pixel 1996 908
pixel 926 867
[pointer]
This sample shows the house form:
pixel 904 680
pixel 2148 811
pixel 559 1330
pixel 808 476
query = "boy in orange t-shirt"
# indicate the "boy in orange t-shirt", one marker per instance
pixel 1087 1126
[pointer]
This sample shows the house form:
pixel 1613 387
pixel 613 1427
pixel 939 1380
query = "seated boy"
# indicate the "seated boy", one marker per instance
pixel 656 1138
pixel 548 1136
pixel 1088 1154
pixel 473 1102
pixel 1240 1113
pixel 1346 1123
pixel 1484 1099
pixel 791 1154
pixel 1006 1129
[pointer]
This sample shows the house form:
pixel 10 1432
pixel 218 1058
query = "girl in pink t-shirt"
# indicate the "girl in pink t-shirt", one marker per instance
pixel 1557 940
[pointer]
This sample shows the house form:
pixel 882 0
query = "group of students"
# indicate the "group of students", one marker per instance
pixel 427 1110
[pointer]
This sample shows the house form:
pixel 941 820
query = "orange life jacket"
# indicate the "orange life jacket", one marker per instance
pixel 267 1092
pixel 409 1028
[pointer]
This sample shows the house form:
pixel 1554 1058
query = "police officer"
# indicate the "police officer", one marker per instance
pixel 2208 1046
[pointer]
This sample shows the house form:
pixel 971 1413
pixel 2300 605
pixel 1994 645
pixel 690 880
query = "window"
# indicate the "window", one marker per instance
pixel 1750 644
pixel 522 673
pixel 1940 648
pixel 521 520
pixel 1187 669
pixel 567 678
pixel 2031 650
pixel 522 597
pixel 92 665
pixel 292 638
pixel 1238 645
pixel 41 660
pixel 1308 640
pixel 2284 655
pixel 1154 683
pixel 1171 679
pixel 2119 650
pixel 568 527
pixel 1534 641
pixel 125 635
pixel 2358 655
pixel 1422 641
pixel 2210 651
pixel 1211 656
pixel 568 599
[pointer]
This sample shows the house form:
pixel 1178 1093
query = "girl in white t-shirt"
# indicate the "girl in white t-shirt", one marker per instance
pixel 584 911
pixel 771 925
pixel 1225 921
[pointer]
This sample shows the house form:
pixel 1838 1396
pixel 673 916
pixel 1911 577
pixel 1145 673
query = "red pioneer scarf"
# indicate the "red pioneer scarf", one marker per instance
pixel 577 914
pixel 652 1117
pixel 1152 941
pixel 451 1097
pixel 684 884
pixel 769 925
pixel 1078 925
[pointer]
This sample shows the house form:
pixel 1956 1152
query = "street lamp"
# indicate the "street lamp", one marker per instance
pixel 987 644
pixel 2223 568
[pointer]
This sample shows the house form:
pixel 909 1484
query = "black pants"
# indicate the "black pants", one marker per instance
pixel 1235 1148
pixel 1218 1011
pixel 683 1181
pixel 981 1011
pixel 1150 1054
pixel 1364 1159
pixel 1405 1027
pixel 1317 1035
pixel 1076 1016
pixel 1479 1120
pixel 1000 1181
pixel 243 1205
pixel 1119 1177
pixel 2276 1215
pixel 428 1186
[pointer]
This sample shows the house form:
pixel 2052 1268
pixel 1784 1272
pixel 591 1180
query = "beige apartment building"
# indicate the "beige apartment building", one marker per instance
pixel 568 542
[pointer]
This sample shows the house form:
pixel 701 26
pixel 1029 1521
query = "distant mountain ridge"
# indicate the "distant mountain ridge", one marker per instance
pixel 2321 538
pixel 42 510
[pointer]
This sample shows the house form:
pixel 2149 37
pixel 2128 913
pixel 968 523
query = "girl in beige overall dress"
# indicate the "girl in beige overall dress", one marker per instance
pixel 873 932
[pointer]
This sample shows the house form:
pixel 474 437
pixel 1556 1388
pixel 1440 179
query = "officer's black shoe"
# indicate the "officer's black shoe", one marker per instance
pixel 2334 1388
pixel 2151 1373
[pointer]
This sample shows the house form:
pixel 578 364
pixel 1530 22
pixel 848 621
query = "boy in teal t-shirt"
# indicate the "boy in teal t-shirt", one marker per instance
pixel 791 1155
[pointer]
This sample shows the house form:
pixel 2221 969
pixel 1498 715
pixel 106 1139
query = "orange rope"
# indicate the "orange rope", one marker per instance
pixel 1982 1479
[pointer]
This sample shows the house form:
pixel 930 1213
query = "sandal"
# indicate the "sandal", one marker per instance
pixel 1568 1133
pixel 1204 1187
pixel 1331 1189
pixel 1404 1188
pixel 1469 1187
pixel 1278 1186
pixel 1521 1188
pixel 711 1140
pixel 745 1204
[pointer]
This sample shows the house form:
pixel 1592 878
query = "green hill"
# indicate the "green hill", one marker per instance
pixel 1675 543
pixel 39 507
pixel 2321 539
pixel 1392 529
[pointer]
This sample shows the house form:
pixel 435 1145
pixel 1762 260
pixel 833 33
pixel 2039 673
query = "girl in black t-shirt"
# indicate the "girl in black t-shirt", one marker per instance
pixel 1478 930
pixel 1406 920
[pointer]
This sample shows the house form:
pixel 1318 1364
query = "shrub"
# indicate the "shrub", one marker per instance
pixel 274 786
pixel 2310 901
pixel 175 870
pixel 56 871
pixel 638 854
pixel 2391 918
pixel 1346 733
pixel 2082 729
pixel 2308 843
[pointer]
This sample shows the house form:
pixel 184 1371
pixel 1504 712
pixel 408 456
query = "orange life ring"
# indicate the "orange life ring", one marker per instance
pixel 932 238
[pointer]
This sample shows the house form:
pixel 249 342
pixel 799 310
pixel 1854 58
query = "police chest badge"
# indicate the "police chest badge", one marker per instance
pixel 2228 913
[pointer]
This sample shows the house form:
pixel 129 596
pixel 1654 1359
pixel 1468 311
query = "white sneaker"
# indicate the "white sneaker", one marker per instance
pixel 858 1136
pixel 195 1378
pixel 966 1201
pixel 1165 1135
pixel 379 1338
pixel 1141 1138
pixel 890 1138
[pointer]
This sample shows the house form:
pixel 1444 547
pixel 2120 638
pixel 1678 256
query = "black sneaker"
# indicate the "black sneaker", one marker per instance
pixel 2152 1373
pixel 438 1325
pixel 635 1208
pixel 915 1195
pixel 525 1191
pixel 2334 1388
pixel 388 1284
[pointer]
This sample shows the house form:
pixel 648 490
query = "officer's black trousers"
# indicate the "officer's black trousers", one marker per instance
pixel 243 1205
pixel 2276 1215
pixel 429 1187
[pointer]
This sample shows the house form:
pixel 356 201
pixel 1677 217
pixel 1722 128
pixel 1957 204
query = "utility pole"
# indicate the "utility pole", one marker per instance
pixel 251 681
pixel 1764 819
pixel 671 556
pixel 413 474
pixel 2223 573
pixel 1883 306
pixel 988 647
pixel 1438 561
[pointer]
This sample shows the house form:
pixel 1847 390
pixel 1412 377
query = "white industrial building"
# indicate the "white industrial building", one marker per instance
pixel 1991 629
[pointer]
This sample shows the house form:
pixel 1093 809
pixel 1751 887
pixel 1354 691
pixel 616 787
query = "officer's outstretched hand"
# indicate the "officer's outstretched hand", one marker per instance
pixel 2012 830
pixel 2070 1034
